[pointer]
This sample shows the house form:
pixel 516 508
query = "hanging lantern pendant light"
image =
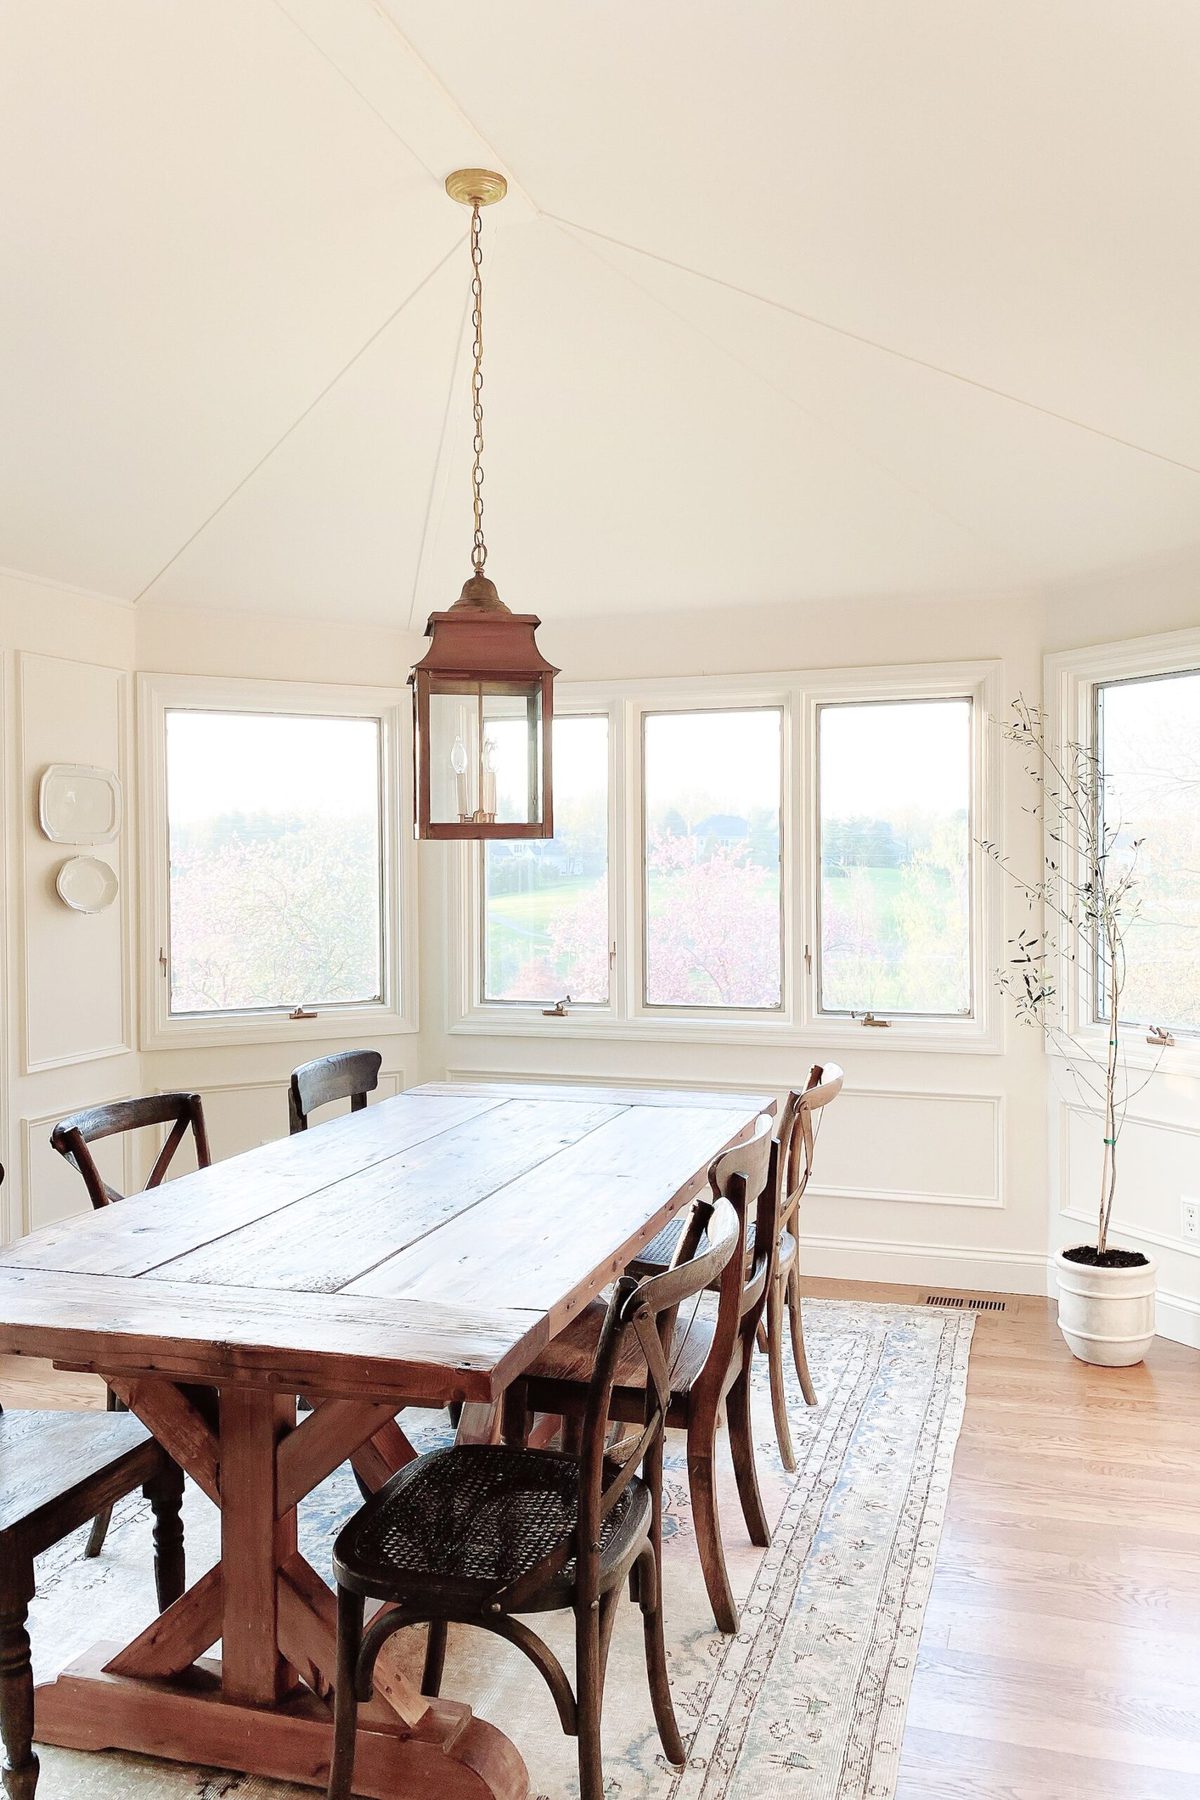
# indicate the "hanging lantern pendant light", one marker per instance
pixel 483 692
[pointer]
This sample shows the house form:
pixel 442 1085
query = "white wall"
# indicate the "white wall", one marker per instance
pixel 67 1015
pixel 934 1168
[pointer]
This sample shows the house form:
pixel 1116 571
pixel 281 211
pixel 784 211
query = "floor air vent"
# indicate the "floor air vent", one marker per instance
pixel 966 1305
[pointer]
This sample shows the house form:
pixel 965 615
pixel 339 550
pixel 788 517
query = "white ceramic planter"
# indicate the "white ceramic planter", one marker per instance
pixel 1106 1315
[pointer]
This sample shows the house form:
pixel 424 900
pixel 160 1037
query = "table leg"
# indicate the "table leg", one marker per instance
pixel 254 1542
pixel 266 1709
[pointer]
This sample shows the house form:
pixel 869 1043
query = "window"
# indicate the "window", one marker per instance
pixel 1148 735
pixel 545 902
pixel 894 823
pixel 711 842
pixel 674 905
pixel 274 825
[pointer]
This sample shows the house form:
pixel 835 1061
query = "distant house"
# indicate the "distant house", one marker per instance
pixel 725 828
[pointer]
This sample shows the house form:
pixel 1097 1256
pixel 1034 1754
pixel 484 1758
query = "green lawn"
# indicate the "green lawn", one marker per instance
pixel 533 911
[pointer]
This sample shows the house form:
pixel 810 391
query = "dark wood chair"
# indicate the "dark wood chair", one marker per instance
pixel 480 1533
pixel 710 1370
pixel 57 1471
pixel 349 1075
pixel 72 1138
pixel 798 1126
pixel 791 1169
pixel 182 1112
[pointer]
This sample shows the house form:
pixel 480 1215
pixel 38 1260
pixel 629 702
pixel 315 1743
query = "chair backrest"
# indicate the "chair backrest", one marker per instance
pixel 797 1138
pixel 182 1112
pixel 645 1310
pixel 742 1176
pixel 349 1075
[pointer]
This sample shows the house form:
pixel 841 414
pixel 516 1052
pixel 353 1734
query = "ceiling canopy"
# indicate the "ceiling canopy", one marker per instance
pixel 801 301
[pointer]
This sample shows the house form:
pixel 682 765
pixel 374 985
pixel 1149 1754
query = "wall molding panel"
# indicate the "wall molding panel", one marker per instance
pixel 85 737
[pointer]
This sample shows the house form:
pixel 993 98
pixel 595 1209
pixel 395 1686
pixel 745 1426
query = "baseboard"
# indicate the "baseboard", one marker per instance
pixel 881 1259
pixel 985 1271
pixel 1177 1316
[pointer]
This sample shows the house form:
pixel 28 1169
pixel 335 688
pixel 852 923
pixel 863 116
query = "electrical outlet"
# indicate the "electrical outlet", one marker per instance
pixel 1189 1220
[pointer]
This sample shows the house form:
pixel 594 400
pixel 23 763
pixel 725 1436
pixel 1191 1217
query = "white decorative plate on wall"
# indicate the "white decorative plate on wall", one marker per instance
pixel 79 804
pixel 86 884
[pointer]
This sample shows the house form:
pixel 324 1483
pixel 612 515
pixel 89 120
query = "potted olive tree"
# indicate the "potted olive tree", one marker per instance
pixel 1080 913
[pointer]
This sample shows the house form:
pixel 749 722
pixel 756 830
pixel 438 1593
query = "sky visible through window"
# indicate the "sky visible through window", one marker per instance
pixel 713 887
pixel 1150 759
pixel 895 825
pixel 275 860
pixel 545 923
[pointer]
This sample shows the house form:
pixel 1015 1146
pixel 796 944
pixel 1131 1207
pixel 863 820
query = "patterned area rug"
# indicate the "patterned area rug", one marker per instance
pixel 807 1701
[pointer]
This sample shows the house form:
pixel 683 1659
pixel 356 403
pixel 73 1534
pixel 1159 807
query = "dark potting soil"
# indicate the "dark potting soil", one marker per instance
pixel 1112 1259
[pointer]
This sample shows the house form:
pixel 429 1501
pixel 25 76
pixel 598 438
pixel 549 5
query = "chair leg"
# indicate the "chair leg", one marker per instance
pixel 608 1618
pixel 741 1442
pixel 703 1488
pixel 16 1702
pixel 799 1353
pixel 514 1415
pixel 649 1595
pixel 783 1430
pixel 435 1659
pixel 589 1699
pixel 99 1532
pixel 103 1518
pixel 345 1700
pixel 165 1494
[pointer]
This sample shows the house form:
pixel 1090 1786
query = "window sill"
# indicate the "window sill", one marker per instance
pixel 364 1022
pixel 1180 1058
pixel 969 1038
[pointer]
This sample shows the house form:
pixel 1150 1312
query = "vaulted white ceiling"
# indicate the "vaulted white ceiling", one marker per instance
pixel 794 301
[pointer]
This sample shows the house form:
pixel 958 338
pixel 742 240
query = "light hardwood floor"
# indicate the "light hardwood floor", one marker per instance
pixel 1061 1653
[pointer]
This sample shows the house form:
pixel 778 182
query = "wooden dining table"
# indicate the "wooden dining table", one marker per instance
pixel 420 1252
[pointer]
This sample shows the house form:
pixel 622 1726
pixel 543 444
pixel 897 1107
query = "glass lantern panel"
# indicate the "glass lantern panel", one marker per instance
pixel 485 755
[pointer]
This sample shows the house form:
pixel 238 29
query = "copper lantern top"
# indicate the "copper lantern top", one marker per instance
pixel 480 637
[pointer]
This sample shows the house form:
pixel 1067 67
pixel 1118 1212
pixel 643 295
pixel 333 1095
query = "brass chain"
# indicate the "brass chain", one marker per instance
pixel 479 547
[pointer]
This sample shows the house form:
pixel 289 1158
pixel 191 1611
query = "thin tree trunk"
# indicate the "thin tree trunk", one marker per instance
pixel 1108 1173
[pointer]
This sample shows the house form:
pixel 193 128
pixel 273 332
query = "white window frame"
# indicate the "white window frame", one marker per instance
pixel 797 1023
pixel 396 1011
pixel 1071 680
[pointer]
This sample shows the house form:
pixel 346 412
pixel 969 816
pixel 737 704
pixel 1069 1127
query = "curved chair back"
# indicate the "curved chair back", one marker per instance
pixel 742 1177
pixel 182 1112
pixel 348 1075
pixel 797 1138
pixel 645 1310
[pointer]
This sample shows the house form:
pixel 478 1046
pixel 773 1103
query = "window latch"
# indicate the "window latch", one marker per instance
pixel 558 1010
pixel 162 961
pixel 868 1018
pixel 1160 1037
pixel 298 1012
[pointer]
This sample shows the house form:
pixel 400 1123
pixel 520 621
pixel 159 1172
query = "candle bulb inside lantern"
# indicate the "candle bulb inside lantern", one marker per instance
pixel 458 762
pixel 489 778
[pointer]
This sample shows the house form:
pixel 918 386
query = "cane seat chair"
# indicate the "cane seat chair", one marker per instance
pixel 348 1075
pixel 795 1147
pixel 710 1367
pixel 480 1534
pixel 73 1137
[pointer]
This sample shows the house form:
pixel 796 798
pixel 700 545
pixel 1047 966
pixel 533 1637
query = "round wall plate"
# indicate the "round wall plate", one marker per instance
pixel 86 884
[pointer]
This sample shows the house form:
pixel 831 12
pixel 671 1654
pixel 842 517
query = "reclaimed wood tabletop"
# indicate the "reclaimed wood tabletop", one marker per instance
pixel 419 1252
